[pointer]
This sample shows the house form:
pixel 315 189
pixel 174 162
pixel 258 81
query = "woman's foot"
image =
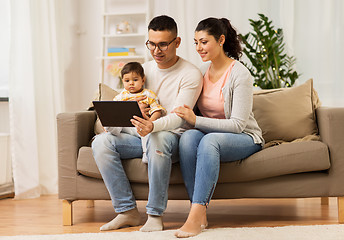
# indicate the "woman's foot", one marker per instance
pixel 204 225
pixel 196 222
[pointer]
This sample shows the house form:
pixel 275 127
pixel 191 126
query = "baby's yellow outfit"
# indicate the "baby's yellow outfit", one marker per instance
pixel 152 99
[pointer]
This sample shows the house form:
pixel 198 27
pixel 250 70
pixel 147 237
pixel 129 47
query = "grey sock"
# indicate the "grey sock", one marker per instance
pixel 128 218
pixel 154 223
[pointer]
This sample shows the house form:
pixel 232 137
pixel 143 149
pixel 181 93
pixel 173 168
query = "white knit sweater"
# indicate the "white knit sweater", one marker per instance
pixel 178 85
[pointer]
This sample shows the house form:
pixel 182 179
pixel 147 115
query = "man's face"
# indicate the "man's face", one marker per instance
pixel 164 58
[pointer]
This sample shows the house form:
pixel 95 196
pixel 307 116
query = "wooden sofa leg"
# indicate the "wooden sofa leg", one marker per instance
pixel 324 201
pixel 67 212
pixel 341 209
pixel 89 203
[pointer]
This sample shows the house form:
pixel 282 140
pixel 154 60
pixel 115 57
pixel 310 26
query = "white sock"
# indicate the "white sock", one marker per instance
pixel 128 218
pixel 144 158
pixel 154 223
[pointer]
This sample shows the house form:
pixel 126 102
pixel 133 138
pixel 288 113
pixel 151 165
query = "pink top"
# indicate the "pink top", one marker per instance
pixel 211 101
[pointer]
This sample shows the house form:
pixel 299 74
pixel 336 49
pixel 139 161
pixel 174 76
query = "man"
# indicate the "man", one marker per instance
pixel 176 82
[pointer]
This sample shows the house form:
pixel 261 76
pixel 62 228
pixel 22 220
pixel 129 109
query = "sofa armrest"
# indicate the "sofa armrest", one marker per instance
pixel 331 130
pixel 74 130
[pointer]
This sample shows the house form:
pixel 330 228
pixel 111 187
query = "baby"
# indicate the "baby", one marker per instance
pixel 133 79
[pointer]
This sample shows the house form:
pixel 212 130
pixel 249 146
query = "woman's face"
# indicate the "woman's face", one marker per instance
pixel 206 46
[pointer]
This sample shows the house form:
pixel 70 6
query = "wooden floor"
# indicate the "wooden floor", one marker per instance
pixel 44 215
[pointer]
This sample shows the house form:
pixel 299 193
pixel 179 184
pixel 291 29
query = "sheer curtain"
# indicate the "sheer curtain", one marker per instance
pixel 4 47
pixel 36 96
pixel 318 45
pixel 314 36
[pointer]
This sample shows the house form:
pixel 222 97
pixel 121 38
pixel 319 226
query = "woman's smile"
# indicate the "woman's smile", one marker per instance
pixel 202 54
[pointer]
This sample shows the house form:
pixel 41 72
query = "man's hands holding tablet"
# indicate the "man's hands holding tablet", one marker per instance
pixel 143 125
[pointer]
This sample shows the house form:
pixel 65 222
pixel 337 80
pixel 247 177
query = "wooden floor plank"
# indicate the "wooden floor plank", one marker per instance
pixel 44 215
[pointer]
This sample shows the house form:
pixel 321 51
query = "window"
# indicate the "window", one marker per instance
pixel 4 47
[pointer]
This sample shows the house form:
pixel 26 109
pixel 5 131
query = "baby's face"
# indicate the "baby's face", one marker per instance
pixel 133 82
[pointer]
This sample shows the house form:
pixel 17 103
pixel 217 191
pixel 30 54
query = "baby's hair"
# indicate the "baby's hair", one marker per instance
pixel 133 67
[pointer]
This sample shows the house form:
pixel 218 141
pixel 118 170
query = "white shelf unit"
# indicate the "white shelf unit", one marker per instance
pixel 135 12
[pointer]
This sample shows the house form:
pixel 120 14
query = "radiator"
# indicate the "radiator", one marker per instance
pixel 5 160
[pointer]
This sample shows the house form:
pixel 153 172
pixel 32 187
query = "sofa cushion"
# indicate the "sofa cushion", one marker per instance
pixel 297 157
pixel 284 159
pixel 104 93
pixel 286 113
pixel 87 166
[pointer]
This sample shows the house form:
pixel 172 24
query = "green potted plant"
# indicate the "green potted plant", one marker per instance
pixel 269 65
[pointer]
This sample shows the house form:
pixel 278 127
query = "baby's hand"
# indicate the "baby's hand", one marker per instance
pixel 140 98
pixel 143 106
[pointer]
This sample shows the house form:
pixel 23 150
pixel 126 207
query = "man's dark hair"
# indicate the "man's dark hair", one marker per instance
pixel 163 23
pixel 133 67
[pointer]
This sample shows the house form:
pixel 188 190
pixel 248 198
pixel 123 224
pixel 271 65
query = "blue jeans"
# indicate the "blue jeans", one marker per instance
pixel 110 150
pixel 200 157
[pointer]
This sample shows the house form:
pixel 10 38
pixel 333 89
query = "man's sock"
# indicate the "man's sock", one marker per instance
pixel 144 158
pixel 128 218
pixel 154 223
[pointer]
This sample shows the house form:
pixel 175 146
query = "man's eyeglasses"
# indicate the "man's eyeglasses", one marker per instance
pixel 163 46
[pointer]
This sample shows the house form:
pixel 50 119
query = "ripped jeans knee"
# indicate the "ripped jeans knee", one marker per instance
pixel 158 152
pixel 162 144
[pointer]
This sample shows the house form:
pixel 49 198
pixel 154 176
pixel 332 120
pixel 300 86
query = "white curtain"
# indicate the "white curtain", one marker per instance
pixel 318 45
pixel 4 47
pixel 36 96
pixel 313 30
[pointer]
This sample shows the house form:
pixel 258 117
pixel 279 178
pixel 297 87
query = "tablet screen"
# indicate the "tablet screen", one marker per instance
pixel 117 113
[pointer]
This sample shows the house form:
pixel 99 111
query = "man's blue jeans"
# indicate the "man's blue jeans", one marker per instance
pixel 110 150
pixel 200 157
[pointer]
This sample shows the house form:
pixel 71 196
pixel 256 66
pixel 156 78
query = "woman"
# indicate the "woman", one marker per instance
pixel 227 130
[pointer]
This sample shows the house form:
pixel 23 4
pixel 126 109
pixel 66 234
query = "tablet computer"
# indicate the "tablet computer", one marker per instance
pixel 117 113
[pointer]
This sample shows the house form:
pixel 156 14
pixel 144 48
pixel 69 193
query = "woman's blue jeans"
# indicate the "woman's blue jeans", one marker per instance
pixel 200 156
pixel 109 151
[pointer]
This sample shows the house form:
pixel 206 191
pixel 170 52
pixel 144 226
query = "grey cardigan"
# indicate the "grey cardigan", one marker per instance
pixel 238 100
